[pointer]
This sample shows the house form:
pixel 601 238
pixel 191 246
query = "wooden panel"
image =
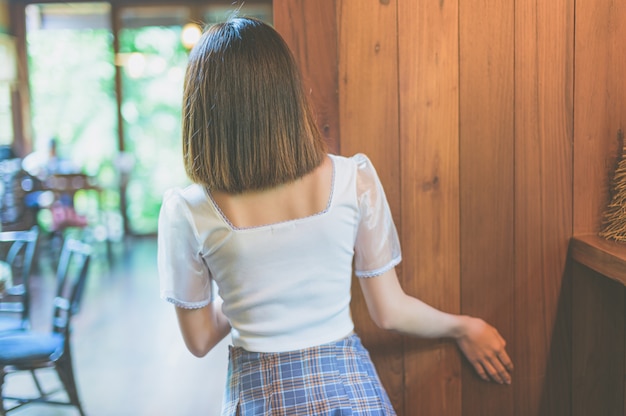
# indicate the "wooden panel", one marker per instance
pixel 429 131
pixel 310 30
pixel 603 256
pixel 20 97
pixel 597 345
pixel 368 102
pixel 543 203
pixel 599 118
pixel 600 106
pixel 487 184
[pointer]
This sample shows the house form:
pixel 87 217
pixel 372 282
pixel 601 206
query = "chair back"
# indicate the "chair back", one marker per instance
pixel 71 276
pixel 18 250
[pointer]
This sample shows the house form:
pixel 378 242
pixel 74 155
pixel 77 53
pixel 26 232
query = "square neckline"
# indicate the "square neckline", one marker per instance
pixel 233 227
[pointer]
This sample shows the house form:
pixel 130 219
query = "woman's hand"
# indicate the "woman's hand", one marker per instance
pixel 392 309
pixel 483 346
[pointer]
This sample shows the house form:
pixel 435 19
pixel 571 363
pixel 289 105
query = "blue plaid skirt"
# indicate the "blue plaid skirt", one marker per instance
pixel 336 379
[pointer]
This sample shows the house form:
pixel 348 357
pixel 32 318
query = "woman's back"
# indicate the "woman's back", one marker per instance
pixel 282 259
pixel 304 197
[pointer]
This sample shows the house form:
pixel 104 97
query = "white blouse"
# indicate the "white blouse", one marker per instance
pixel 285 286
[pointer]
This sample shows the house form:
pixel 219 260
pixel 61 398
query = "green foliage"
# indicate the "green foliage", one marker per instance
pixel 72 76
pixel 151 109
pixel 73 95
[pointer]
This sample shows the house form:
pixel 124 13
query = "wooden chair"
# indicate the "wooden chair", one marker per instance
pixel 32 351
pixel 64 215
pixel 65 187
pixel 18 249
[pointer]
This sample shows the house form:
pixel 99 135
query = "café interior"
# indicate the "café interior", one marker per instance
pixel 89 140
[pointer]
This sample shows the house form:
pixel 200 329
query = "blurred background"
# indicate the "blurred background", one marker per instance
pixel 90 138
pixel 105 90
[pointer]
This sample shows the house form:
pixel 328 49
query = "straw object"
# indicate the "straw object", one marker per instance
pixel 614 224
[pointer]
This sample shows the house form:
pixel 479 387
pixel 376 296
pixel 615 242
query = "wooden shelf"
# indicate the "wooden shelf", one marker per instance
pixel 604 256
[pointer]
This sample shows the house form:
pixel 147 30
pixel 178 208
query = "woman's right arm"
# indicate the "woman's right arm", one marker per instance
pixel 185 279
pixel 392 309
pixel 203 328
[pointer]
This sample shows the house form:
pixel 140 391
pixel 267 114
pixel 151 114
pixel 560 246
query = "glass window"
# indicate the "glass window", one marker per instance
pixel 8 75
pixel 153 61
pixel 6 118
pixel 134 151
pixel 73 102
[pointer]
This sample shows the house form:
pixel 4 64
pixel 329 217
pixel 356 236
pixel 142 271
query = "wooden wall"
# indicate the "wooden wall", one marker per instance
pixel 599 303
pixel 494 126
pixel 471 111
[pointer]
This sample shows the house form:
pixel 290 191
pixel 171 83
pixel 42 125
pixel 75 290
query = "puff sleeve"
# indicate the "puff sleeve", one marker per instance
pixel 184 277
pixel 377 246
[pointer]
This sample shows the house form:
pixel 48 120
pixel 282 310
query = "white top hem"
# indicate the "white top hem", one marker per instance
pixel 277 346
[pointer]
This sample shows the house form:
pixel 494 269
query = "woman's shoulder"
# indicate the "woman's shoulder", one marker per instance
pixel 185 208
pixel 358 159
pixel 191 196
pixel 353 174
pixel 358 162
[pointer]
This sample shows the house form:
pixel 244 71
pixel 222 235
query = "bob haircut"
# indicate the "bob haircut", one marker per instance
pixel 247 124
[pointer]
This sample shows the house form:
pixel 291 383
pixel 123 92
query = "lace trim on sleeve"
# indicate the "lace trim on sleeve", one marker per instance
pixel 373 273
pixel 185 305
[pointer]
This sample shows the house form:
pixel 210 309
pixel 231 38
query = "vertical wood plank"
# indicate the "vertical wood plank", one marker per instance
pixel 429 131
pixel 20 94
pixel 368 103
pixel 310 30
pixel 599 116
pixel 599 105
pixel 544 33
pixel 597 344
pixel 487 183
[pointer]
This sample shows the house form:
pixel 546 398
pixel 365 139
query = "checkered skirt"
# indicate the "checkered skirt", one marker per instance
pixel 335 379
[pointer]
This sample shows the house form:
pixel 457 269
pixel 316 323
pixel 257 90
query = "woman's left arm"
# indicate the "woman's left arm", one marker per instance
pixel 392 309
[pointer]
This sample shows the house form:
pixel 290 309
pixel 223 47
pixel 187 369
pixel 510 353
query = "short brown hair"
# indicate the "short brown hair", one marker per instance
pixel 247 123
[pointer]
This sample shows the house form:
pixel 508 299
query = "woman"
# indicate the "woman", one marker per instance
pixel 278 224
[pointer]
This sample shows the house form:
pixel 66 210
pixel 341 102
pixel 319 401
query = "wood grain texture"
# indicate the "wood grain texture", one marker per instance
pixel 310 30
pixel 599 106
pixel 468 110
pixel 429 134
pixel 603 256
pixel 544 33
pixel 487 184
pixel 20 94
pixel 599 118
pixel 597 344
pixel 368 102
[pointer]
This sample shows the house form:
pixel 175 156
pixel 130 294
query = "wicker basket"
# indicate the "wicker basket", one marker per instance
pixel 614 222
